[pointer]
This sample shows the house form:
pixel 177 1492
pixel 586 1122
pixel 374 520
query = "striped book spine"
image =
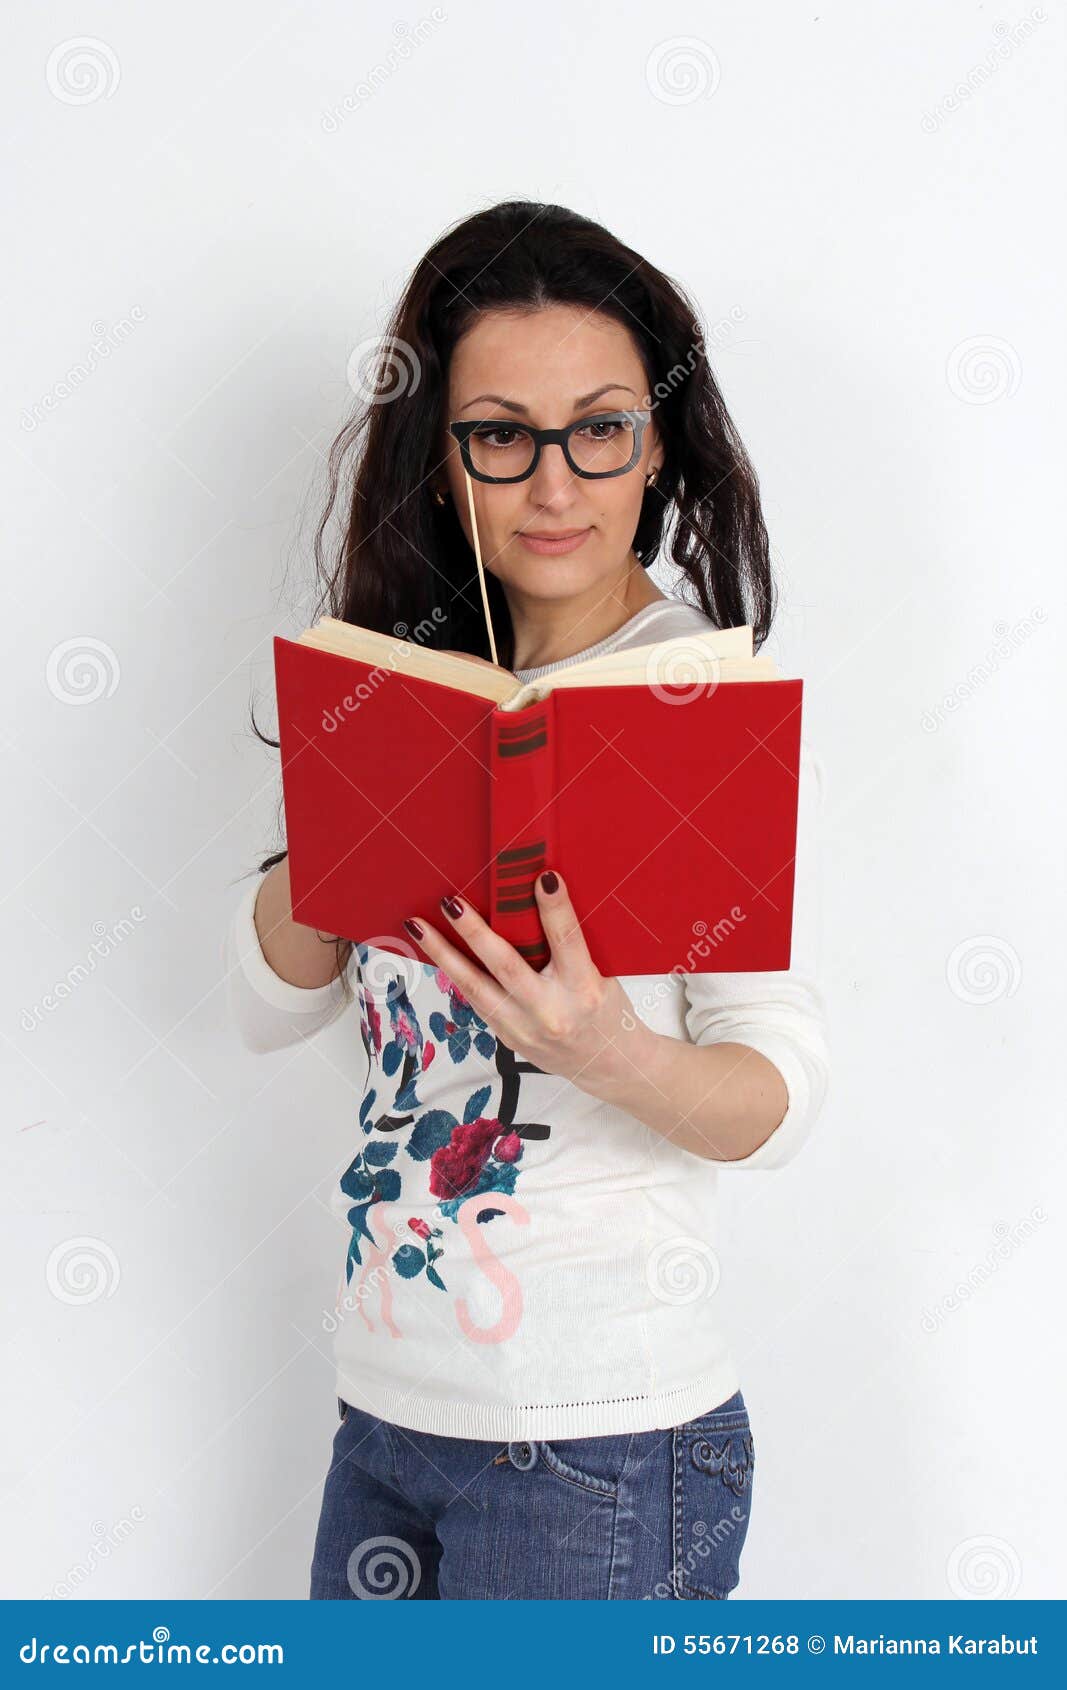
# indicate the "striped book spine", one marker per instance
pixel 522 820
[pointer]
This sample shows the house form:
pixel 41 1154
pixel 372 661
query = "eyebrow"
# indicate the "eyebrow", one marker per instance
pixel 579 404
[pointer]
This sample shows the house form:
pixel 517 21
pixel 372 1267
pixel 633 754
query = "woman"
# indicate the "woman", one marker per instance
pixel 536 1399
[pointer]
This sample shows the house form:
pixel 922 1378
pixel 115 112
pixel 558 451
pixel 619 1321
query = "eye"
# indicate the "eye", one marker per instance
pixel 601 431
pixel 498 436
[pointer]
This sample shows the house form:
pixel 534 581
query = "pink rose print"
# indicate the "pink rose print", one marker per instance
pixel 457 1164
pixel 447 985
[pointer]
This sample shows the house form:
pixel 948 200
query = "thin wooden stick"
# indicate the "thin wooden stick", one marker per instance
pixel 481 571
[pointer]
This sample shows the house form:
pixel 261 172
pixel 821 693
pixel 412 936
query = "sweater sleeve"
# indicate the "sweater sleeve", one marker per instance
pixel 782 1014
pixel 270 1012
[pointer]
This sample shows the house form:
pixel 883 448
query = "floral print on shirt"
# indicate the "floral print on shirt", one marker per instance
pixel 469 1157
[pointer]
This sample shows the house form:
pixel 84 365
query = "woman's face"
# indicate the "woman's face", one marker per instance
pixel 544 363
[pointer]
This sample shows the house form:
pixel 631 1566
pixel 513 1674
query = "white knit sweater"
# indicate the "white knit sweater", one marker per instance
pixel 571 1290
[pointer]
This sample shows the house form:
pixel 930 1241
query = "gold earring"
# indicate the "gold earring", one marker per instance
pixel 650 479
pixel 442 498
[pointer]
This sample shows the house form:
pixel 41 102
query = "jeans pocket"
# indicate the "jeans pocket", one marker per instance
pixel 714 1460
pixel 594 1463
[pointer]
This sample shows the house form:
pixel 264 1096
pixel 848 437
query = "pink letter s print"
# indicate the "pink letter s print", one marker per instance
pixel 497 1274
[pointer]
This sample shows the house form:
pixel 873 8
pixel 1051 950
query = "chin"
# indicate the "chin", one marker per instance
pixel 550 577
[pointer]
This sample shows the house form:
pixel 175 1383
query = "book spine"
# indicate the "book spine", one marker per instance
pixel 521 822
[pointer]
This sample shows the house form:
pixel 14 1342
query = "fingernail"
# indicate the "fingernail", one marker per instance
pixel 413 928
pixel 452 907
pixel 549 881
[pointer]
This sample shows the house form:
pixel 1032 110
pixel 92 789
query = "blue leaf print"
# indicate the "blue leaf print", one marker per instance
pixel 429 1133
pixel 408 1261
pixel 406 1101
pixel 357 1219
pixel 365 1108
pixel 392 1056
pixel 356 1183
pixel 378 1154
pixel 357 1216
pixel 476 1104
pixel 455 1035
pixel 387 1183
pixel 435 1279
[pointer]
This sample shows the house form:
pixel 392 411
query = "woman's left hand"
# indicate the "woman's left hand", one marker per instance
pixel 568 1019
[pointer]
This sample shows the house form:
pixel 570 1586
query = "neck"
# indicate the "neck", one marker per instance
pixel 551 630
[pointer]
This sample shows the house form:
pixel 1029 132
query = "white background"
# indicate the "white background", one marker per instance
pixel 869 210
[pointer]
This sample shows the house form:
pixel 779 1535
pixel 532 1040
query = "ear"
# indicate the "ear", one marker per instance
pixel 656 454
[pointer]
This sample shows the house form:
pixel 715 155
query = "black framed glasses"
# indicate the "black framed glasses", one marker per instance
pixel 498 450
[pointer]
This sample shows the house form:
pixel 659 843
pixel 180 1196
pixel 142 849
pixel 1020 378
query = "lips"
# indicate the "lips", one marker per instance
pixel 555 544
pixel 552 534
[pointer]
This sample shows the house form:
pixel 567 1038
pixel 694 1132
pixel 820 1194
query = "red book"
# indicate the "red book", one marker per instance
pixel 670 810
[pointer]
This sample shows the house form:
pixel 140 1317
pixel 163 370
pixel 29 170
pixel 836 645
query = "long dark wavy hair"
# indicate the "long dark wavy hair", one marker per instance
pixel 404 561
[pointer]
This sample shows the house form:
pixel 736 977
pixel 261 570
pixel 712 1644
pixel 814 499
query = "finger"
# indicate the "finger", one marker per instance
pixel 570 953
pixel 511 971
pixel 481 991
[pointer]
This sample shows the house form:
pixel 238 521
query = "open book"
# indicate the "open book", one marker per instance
pixel 660 781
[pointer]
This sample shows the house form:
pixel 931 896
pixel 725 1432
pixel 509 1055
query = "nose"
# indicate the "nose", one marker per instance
pixel 553 479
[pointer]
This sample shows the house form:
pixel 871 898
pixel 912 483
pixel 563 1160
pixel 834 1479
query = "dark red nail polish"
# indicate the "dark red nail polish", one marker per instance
pixel 549 881
pixel 413 928
pixel 452 907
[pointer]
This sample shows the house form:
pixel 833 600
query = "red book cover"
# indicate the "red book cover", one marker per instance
pixel 670 813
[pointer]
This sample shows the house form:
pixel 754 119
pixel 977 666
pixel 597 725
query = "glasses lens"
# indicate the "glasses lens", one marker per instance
pixel 602 445
pixel 501 449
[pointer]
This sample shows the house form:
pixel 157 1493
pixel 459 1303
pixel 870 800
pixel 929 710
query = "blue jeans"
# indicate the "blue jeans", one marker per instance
pixel 411 1515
